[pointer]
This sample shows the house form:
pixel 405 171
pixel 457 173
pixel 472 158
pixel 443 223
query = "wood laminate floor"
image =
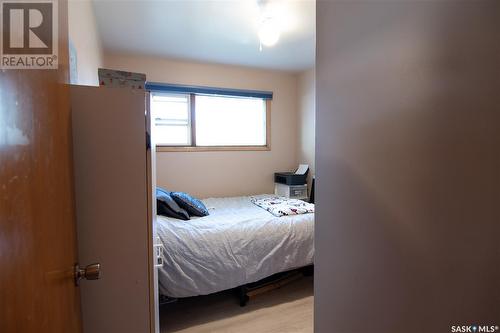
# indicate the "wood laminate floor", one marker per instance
pixel 285 310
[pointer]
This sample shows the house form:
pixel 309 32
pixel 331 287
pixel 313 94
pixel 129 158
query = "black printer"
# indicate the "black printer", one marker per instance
pixel 290 178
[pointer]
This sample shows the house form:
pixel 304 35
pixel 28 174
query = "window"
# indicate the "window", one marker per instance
pixel 171 118
pixel 205 122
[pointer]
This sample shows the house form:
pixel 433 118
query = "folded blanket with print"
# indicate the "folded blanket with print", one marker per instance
pixel 281 206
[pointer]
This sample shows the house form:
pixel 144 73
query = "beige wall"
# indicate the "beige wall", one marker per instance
pixel 408 164
pixel 227 173
pixel 84 35
pixel 306 118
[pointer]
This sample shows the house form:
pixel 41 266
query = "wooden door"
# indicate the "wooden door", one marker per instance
pixel 37 218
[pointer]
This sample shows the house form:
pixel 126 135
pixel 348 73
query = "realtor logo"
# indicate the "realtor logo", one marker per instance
pixel 29 34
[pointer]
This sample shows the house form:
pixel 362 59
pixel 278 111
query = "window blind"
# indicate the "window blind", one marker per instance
pixel 184 89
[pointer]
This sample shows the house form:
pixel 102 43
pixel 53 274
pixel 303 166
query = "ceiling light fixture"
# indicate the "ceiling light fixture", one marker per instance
pixel 269 30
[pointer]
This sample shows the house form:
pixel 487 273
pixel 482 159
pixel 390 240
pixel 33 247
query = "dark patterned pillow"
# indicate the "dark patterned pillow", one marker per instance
pixel 193 206
pixel 166 205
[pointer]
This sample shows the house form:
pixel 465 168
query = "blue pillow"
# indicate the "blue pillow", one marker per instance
pixel 193 206
pixel 166 205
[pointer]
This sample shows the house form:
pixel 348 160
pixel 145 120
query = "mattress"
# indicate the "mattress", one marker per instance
pixel 237 243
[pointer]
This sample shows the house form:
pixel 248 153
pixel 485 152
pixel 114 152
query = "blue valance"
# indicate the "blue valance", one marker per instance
pixel 183 89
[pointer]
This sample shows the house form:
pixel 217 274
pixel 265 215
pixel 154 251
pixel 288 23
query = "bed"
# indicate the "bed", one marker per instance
pixel 237 244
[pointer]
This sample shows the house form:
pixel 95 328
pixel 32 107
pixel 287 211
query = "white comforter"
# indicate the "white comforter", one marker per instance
pixel 237 243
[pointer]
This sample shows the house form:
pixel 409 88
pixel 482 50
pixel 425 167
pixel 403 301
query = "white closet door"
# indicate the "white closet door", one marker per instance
pixel 113 206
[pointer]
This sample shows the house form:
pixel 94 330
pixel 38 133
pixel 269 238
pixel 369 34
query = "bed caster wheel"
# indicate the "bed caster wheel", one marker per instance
pixel 244 300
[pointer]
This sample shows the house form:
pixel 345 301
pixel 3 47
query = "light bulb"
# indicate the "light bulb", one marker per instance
pixel 269 32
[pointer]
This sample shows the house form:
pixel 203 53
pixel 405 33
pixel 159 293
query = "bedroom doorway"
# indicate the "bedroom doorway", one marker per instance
pixel 230 262
pixel 228 110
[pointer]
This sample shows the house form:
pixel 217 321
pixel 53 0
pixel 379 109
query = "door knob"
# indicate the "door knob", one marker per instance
pixel 90 272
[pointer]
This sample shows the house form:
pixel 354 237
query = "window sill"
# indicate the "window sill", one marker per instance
pixel 211 148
